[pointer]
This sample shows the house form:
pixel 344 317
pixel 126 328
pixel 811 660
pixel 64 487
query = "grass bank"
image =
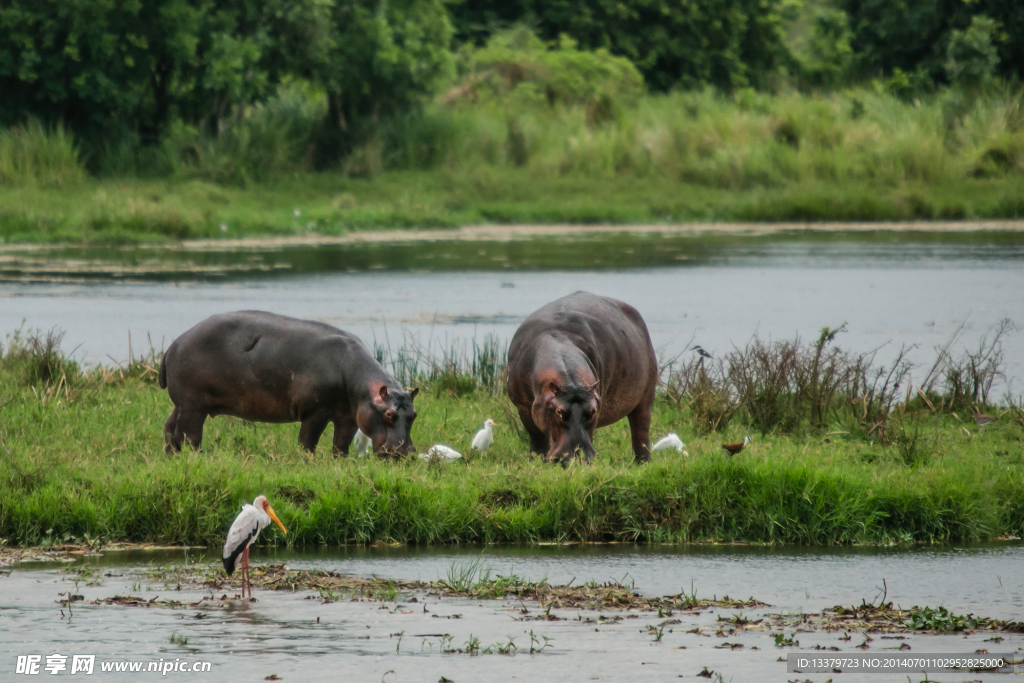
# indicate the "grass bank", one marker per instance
pixel 82 457
pixel 130 211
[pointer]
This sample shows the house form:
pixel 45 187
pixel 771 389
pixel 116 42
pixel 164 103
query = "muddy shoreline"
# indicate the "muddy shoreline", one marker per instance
pixel 509 232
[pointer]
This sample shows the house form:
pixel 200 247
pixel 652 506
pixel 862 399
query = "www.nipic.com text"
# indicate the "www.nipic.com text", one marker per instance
pixel 32 665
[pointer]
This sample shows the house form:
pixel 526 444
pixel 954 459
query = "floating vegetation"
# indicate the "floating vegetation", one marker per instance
pixel 884 618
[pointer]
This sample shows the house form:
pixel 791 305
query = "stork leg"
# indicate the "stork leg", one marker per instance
pixel 245 570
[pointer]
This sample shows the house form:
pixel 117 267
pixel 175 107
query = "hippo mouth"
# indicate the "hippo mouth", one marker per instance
pixel 566 449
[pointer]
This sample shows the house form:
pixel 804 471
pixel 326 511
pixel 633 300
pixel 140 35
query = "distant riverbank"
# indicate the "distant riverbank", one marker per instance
pixel 489 204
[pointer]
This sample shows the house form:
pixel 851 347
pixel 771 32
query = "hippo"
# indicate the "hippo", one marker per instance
pixel 271 368
pixel 579 363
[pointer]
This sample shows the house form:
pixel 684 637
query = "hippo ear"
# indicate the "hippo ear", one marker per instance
pixel 554 388
pixel 383 392
pixel 415 391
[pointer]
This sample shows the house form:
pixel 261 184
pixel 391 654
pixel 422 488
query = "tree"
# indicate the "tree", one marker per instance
pixel 914 35
pixel 103 67
pixel 385 56
pixel 971 57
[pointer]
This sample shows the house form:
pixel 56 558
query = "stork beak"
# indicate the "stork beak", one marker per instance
pixel 273 516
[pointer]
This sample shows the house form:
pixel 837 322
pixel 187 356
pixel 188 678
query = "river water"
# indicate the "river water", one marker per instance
pixel 297 638
pixel 891 291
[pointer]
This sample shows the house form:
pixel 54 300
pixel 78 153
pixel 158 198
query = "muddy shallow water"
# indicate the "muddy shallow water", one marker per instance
pixel 359 640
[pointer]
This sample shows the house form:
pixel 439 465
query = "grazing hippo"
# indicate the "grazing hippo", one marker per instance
pixel 579 363
pixel 270 368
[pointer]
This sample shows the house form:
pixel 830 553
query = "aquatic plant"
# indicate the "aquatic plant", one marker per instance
pixel 939 619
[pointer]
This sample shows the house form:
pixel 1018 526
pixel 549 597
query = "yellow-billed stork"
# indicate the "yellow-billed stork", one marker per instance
pixel 243 533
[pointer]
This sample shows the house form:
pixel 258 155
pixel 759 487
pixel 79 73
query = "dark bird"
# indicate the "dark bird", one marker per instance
pixel 983 420
pixel 244 531
pixel 701 352
pixel 734 448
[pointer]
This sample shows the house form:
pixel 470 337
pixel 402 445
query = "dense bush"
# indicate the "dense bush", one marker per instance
pixel 727 43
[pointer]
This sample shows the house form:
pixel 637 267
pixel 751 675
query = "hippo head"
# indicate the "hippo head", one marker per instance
pixel 387 419
pixel 568 415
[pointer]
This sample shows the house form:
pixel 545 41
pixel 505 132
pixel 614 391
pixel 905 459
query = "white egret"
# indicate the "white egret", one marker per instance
pixel 670 440
pixel 244 531
pixel 361 444
pixel 485 437
pixel 734 448
pixel 440 452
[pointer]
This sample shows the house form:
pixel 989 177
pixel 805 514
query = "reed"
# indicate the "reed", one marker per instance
pixel 32 154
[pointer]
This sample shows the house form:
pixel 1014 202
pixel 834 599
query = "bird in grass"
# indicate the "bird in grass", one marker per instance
pixel 982 420
pixel 670 440
pixel 244 531
pixel 440 452
pixel 701 352
pixel 734 448
pixel 485 437
pixel 361 444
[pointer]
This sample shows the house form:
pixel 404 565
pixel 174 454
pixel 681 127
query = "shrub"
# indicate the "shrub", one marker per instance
pixel 39 358
pixel 726 43
pixel 516 65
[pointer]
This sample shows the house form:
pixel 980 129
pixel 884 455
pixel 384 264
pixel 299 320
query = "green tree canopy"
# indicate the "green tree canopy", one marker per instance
pixel 914 35
pixel 103 67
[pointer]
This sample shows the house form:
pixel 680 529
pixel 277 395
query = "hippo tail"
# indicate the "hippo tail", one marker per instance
pixel 163 372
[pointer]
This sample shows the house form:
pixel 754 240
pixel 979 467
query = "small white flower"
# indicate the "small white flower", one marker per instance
pixel 297 213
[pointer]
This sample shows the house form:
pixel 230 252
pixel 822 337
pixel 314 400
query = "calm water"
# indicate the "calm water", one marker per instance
pixel 301 639
pixel 716 292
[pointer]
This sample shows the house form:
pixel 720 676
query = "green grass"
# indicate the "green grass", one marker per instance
pixel 84 457
pixel 131 211
pixel 858 154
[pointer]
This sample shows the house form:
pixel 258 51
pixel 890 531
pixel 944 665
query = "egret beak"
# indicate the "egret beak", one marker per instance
pixel 270 511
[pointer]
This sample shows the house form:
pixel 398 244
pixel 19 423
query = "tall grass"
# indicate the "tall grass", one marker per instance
pixel 738 141
pixel 32 154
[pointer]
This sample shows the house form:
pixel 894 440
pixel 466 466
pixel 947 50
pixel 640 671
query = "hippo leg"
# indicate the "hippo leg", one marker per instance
pixel 539 442
pixel 311 430
pixel 640 430
pixel 189 425
pixel 170 444
pixel 343 435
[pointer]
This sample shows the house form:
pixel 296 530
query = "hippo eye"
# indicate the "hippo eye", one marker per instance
pixel 559 413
